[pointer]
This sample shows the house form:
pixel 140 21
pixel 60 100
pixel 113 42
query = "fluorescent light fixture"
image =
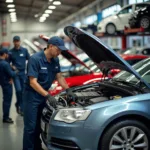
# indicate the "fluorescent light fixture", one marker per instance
pixel 41 20
pixel 48 11
pixel 13 13
pixel 11 6
pixel 9 1
pixel 50 0
pixel 36 15
pixel 13 20
pixel 11 10
pixel 57 3
pixel 45 15
pixel 52 7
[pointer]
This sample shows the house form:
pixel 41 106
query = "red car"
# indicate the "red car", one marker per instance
pixel 92 77
pixel 88 72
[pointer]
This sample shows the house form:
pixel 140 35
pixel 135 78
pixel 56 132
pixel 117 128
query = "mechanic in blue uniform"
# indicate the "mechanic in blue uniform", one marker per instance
pixel 6 75
pixel 43 67
pixel 18 58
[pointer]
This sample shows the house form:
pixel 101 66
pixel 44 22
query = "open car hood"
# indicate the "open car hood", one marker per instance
pixel 105 57
pixel 69 55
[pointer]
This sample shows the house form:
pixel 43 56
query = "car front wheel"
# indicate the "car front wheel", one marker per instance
pixel 145 22
pixel 110 28
pixel 126 135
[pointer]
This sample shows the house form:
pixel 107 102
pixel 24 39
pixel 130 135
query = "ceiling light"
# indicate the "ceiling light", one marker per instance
pixel 9 1
pixel 50 0
pixel 57 3
pixel 45 15
pixel 13 20
pixel 11 6
pixel 13 13
pixel 52 7
pixel 42 18
pixel 48 11
pixel 11 10
pixel 36 15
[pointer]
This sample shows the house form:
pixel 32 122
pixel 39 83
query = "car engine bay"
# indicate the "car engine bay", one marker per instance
pixel 91 94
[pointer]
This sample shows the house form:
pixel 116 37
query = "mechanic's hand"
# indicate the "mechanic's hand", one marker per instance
pixel 51 100
pixel 70 95
pixel 11 81
pixel 15 69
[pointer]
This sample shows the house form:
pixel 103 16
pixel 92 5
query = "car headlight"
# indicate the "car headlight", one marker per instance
pixel 71 115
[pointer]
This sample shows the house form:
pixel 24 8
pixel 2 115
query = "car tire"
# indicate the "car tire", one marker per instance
pixel 110 28
pixel 116 134
pixel 145 22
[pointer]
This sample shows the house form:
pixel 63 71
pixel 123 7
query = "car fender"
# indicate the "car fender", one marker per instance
pixel 105 116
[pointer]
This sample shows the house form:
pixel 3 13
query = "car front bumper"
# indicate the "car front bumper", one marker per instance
pixel 71 136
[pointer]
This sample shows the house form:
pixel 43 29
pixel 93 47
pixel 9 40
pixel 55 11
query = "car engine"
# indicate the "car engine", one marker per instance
pixel 95 94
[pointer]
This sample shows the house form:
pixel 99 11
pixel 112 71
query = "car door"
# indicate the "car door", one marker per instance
pixel 123 16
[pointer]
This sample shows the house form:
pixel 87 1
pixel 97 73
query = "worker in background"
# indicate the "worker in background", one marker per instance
pixel 6 75
pixel 43 67
pixel 18 58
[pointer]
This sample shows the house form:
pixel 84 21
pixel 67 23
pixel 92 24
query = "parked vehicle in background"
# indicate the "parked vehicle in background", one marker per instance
pixel 140 18
pixel 96 76
pixel 109 115
pixel 118 21
pixel 30 47
pixel 137 50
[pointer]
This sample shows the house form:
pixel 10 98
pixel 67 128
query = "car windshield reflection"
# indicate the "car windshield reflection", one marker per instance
pixel 142 67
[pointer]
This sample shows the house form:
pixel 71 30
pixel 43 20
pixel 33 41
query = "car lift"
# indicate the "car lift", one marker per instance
pixel 126 32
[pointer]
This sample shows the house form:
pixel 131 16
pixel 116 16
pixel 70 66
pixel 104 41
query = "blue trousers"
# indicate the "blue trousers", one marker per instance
pixel 19 86
pixel 7 98
pixel 33 106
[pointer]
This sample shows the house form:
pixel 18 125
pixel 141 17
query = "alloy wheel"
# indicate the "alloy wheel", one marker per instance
pixel 145 23
pixel 110 29
pixel 129 138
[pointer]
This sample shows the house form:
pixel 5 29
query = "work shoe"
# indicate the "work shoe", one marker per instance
pixel 39 148
pixel 17 109
pixel 9 120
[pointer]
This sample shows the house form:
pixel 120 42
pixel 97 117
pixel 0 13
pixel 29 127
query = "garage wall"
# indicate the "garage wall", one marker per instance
pixel 5 33
pixel 0 29
pixel 27 29
pixel 107 3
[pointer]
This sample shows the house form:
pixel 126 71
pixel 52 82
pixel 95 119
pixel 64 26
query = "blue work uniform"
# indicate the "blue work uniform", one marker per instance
pixel 45 72
pixel 18 59
pixel 6 73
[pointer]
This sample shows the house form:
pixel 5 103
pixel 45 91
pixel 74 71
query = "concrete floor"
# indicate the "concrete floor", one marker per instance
pixel 11 135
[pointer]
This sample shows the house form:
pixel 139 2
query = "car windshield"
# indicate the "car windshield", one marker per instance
pixel 142 67
pixel 91 65
pixel 130 51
